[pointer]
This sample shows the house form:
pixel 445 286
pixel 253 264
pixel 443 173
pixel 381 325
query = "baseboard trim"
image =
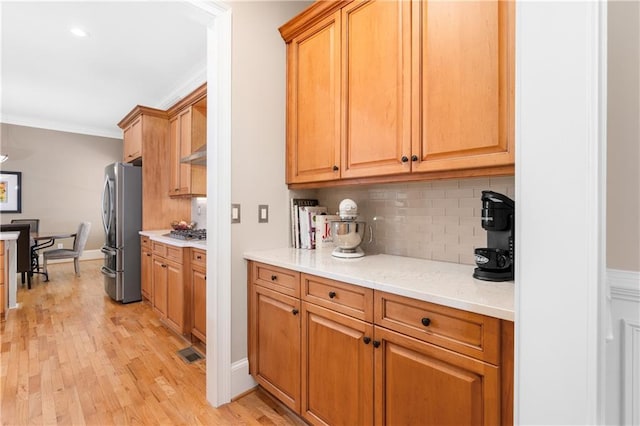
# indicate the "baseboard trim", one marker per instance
pixel 241 380
pixel 624 285
pixel 86 255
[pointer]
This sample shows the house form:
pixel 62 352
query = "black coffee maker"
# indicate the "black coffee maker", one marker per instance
pixel 495 262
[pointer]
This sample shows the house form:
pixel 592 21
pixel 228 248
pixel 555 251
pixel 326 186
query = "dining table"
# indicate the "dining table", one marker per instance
pixel 43 240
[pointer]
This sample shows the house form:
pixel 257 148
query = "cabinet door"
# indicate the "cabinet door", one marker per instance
pixel 174 164
pixel 275 330
pixel 463 84
pixel 376 81
pixel 175 296
pixel 313 103
pixel 132 141
pixel 145 274
pixel 159 280
pixel 421 384
pixel 199 319
pixel 337 368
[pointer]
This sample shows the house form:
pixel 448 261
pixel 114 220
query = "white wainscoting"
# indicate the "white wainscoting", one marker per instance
pixel 623 349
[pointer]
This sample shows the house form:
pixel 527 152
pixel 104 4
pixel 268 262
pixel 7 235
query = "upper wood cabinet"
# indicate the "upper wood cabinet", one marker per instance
pixel 152 128
pixel 188 132
pixel 463 76
pixel 132 141
pixel 313 103
pixel 383 91
pixel 376 82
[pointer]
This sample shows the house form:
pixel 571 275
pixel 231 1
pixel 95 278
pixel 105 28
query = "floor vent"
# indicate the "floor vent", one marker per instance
pixel 189 355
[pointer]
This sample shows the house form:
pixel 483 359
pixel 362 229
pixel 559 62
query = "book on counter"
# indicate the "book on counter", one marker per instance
pixel 307 219
pixel 296 203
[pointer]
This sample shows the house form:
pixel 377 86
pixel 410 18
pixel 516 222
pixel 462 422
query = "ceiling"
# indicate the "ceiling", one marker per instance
pixel 148 53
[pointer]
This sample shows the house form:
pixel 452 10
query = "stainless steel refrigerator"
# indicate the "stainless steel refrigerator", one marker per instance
pixel 122 219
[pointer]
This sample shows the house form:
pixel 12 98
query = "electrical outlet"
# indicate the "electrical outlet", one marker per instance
pixel 60 245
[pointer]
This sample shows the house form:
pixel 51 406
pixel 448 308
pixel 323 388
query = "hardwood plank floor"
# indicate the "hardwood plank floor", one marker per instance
pixel 70 355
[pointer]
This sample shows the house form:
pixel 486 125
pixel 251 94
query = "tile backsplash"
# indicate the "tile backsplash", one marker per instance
pixel 438 220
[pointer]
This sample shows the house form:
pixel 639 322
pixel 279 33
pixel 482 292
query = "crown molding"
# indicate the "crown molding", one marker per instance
pixel 61 126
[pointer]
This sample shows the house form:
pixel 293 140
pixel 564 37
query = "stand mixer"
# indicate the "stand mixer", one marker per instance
pixel 348 232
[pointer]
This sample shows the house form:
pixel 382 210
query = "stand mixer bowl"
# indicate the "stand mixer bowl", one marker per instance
pixel 347 234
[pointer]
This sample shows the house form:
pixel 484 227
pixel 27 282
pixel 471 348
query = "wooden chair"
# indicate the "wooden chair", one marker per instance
pixel 79 241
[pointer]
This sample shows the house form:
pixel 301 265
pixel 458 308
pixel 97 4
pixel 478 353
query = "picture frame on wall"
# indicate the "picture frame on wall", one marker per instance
pixel 10 192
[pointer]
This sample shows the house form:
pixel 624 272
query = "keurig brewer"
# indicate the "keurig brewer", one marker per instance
pixel 495 262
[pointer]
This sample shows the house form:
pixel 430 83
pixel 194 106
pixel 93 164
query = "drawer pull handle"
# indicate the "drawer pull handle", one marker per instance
pixel 294 312
pixel 426 322
pixel 366 340
pixel 332 294
pixel 274 277
pixel 376 343
pixel 164 266
pixel 199 257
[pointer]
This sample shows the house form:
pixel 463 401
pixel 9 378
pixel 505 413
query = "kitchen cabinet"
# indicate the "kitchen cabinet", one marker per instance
pixel 188 132
pixel 132 141
pixel 170 298
pixel 274 335
pixel 463 78
pixel 404 90
pixel 158 209
pixel 359 356
pixel 313 103
pixel 146 266
pixel 199 295
pixel 337 354
pixel 3 282
pixel 423 346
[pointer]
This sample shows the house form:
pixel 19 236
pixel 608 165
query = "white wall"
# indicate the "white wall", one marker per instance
pixel 62 177
pixel 559 269
pixel 258 143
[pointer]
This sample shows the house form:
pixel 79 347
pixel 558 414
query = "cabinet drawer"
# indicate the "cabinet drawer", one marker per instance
pixel 348 299
pixel 465 332
pixel 278 279
pixel 145 243
pixel 198 257
pixel 167 251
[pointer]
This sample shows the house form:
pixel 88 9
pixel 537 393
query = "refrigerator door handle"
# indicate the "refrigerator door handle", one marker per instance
pixel 108 272
pixel 107 210
pixel 108 250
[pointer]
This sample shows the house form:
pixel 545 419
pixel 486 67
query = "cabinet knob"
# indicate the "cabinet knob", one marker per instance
pixel 376 343
pixel 294 312
pixel 164 266
pixel 426 322
pixel 332 294
pixel 366 340
pixel 148 254
pixel 274 277
pixel 404 159
pixel 414 157
pixel 336 168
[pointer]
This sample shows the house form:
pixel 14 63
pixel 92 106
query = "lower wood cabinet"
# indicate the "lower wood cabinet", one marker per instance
pixel 337 353
pixel 146 265
pixel 276 341
pixel 419 383
pixel 174 281
pixel 199 295
pixel 337 366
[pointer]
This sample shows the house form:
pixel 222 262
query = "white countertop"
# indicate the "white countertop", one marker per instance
pixel 448 284
pixel 5 236
pixel 159 235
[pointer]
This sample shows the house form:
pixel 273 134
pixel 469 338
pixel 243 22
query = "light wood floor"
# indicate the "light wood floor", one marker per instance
pixel 69 355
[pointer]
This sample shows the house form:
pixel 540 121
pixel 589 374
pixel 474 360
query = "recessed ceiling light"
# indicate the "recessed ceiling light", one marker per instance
pixel 78 32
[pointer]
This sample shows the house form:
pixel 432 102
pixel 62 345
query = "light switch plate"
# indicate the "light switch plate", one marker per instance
pixel 263 213
pixel 235 213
